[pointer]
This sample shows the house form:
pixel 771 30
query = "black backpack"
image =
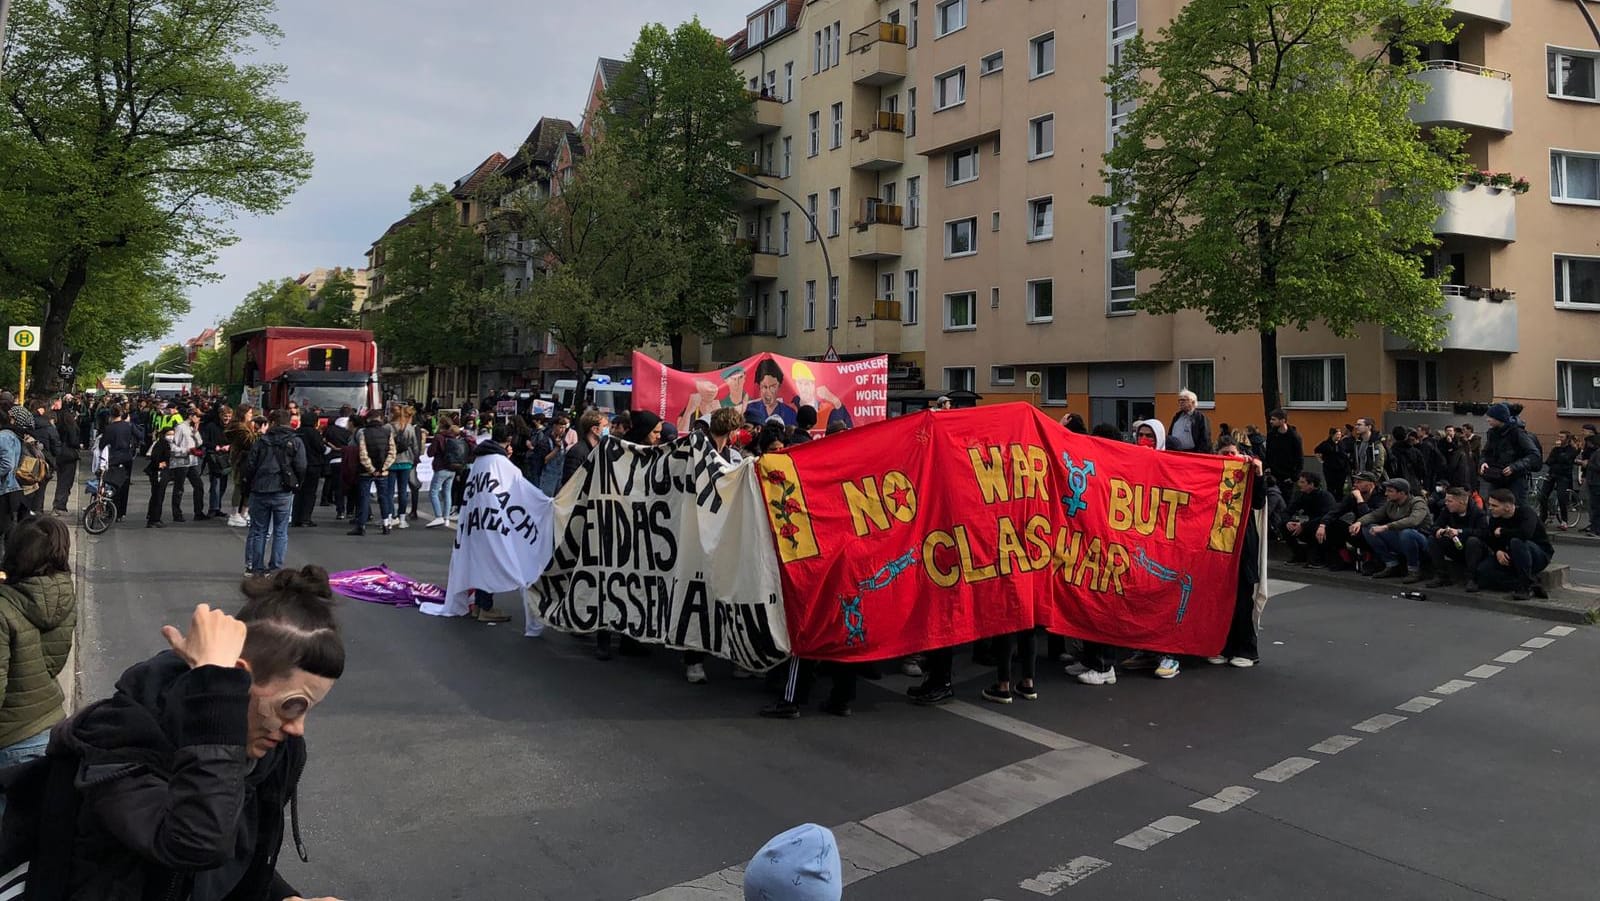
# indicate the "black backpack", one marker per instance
pixel 455 452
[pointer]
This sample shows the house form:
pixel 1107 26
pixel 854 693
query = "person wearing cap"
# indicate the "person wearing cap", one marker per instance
pixel 943 402
pixel 1398 531
pixel 733 379
pixel 1509 454
pixel 801 864
pixel 1333 533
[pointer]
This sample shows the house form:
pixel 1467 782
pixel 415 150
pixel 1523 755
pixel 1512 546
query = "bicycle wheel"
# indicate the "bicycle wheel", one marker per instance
pixel 97 516
pixel 1574 503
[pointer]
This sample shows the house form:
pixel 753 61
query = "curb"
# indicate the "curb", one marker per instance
pixel 1575 537
pixel 1563 606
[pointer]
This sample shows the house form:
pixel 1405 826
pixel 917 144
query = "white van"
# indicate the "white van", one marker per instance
pixel 171 384
pixel 603 393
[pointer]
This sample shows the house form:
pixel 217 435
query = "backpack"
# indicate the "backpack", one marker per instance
pixel 32 469
pixel 285 455
pixel 455 452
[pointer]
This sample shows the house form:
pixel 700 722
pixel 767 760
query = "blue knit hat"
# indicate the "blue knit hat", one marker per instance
pixel 1501 413
pixel 799 865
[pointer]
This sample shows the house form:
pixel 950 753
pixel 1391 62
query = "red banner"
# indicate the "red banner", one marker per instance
pixel 763 386
pixel 944 527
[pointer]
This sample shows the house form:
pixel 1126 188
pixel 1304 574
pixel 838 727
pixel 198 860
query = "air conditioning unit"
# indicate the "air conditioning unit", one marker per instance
pixel 1033 379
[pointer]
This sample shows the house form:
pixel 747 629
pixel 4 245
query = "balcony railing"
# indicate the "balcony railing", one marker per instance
pixel 1456 65
pixel 1479 319
pixel 1481 211
pixel 872 33
pixel 876 212
pixel 1464 94
pixel 878 54
pixel 766 113
pixel 747 325
pixel 886 310
pixel 890 121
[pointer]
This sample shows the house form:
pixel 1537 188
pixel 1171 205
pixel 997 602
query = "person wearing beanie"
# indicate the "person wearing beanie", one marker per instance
pixel 1509 454
pixel 644 427
pixel 801 864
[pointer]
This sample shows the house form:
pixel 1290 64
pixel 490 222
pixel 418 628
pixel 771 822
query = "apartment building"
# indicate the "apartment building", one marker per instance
pixel 832 141
pixel 318 278
pixel 1025 304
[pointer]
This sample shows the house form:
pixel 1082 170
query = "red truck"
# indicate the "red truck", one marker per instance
pixel 315 367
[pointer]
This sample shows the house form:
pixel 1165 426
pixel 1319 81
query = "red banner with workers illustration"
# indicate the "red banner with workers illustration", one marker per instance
pixel 944 527
pixel 763 386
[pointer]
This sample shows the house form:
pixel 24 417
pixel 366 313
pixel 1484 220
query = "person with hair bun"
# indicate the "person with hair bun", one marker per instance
pixel 182 776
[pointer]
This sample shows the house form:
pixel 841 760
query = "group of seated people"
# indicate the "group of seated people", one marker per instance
pixel 1389 532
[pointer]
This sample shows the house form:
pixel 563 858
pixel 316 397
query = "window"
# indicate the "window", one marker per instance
pixel 1574 177
pixel 833 302
pixel 950 89
pixel 911 112
pixel 788 145
pixel 913 214
pixel 1570 74
pixel 994 62
pixel 1002 375
pixel 783 314
pixel 994 297
pixel 814 124
pixel 963 166
pixel 1041 300
pixel 1121 288
pixel 961 237
pixel 1199 376
pixel 838 35
pixel 838 126
pixel 948 16
pixel 886 286
pixel 788 82
pixel 912 38
pixel 811 217
pixel 549 343
pixel 833 212
pixel 1124 17
pixel 1577 386
pixel 1041 218
pixel 783 234
pixel 1578 282
pixel 1416 380
pixel 1042 55
pixel 1055 386
pixel 908 310
pixel 1042 137
pixel 960 311
pixel 816 52
pixel 811 305
pixel 994 221
pixel 960 378
pixel 1314 381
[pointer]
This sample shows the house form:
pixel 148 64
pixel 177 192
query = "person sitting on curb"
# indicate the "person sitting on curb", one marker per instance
pixel 801 864
pixel 1334 534
pixel 1513 551
pixel 1461 521
pixel 1308 509
pixel 1397 531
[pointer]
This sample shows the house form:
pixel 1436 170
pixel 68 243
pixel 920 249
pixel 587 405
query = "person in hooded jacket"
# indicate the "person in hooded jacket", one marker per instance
pixel 1560 466
pixel 305 497
pixel 273 472
pixel 66 461
pixel 49 443
pixel 1509 454
pixel 1241 649
pixel 183 774
pixel 38 612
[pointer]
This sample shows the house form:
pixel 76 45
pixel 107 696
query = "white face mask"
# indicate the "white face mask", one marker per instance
pixel 605 431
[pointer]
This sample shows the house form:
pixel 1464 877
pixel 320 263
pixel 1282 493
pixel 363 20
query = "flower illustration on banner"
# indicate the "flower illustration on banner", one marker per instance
pixel 785 508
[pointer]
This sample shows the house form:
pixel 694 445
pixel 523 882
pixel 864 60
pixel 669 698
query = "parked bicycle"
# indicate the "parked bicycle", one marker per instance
pixel 100 511
pixel 1576 501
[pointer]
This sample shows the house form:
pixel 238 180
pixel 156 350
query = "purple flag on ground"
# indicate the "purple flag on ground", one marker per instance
pixel 382 585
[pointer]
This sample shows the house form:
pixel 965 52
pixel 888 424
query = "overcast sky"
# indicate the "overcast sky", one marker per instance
pixel 407 92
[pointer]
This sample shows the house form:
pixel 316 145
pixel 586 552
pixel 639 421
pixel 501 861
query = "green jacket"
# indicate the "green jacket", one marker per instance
pixel 37 617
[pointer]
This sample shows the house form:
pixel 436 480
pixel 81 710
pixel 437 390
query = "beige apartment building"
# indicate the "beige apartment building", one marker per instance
pixel 833 138
pixel 1025 294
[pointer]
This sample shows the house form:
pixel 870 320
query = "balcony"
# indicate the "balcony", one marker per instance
pixel 877 234
pixel 763 264
pixel 766 114
pixel 1480 320
pixel 753 195
pixel 1483 211
pixel 1497 12
pixel 883 147
pixel 745 338
pixel 878 54
pixel 1464 95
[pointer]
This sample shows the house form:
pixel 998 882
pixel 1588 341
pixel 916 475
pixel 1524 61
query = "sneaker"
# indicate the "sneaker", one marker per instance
pixel 403 523
pixel 1540 592
pixel 1518 594
pixel 357 531
pixel 997 694
pixel 780 711
pixel 1316 564
pixel 1141 660
pixel 917 691
pixel 1412 579
pixel 1167 668
pixel 1095 677
pixel 912 667
pixel 1441 582
pixel 386 530
pixel 1216 661
pixel 1076 669
pixel 836 709
pixel 435 523
pixel 934 696
pixel 201 517
pixel 1241 662
pixel 695 673
pixel 493 616
pixel 158 524
pixel 237 521
pixel 1472 586
pixel 1030 692
pixel 338 517
pixel 178 517
pixel 1393 571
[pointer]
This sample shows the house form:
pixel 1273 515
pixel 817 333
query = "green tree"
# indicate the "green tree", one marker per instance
pixel 674 119
pixel 282 302
pixel 132 132
pixel 1272 175
pixel 336 303
pixel 137 376
pixel 210 368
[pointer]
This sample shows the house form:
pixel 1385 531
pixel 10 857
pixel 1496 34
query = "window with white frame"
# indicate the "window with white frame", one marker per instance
pixel 994 297
pixel 783 234
pixel 886 286
pixel 783 314
pixel 994 221
pixel 788 145
pixel 960 311
pixel 816 52
pixel 1199 376
pixel 1570 74
pixel 908 310
pixel 815 131
pixel 788 82
pixel 838 126
pixel 1042 137
pixel 960 378
pixel 1041 218
pixel 1578 282
pixel 994 62
pixel 838 36
pixel 1002 375
pixel 811 306
pixel 963 166
pixel 1055 386
pixel 1574 177
pixel 1314 382
pixel 961 237
pixel 1121 287
pixel 811 217
pixel 833 212
pixel 1124 17
pixel 911 38
pixel 1042 55
pixel 1578 387
pixel 1041 300
pixel 948 16
pixel 833 302
pixel 913 213
pixel 1416 379
pixel 950 89
pixel 911 112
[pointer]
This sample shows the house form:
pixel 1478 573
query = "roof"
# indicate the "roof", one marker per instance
pixel 541 147
pixel 610 69
pixel 470 182
pixel 736 43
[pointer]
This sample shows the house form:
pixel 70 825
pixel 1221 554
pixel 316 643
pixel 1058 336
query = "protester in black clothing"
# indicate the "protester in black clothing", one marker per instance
pixel 1509 454
pixel 67 458
pixel 160 454
pixel 1462 519
pixel 305 497
pixel 1457 455
pixel 217 463
pixel 1285 454
pixel 1333 533
pixel 1513 551
pixel 334 438
pixel 1560 466
pixel 1335 464
pixel 49 443
pixel 1241 649
pixel 1589 461
pixel 592 426
pixel 1308 509
pixel 119 442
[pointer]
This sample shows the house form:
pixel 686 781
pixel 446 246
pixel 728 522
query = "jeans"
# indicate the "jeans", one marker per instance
pixel 1527 561
pixel 385 486
pixel 268 510
pixel 439 492
pixel 22 752
pixel 402 490
pixel 550 479
pixel 219 487
pixel 180 476
pixel 66 481
pixel 1395 546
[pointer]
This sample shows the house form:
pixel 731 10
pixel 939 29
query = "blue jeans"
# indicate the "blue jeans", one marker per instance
pixel 439 491
pixel 385 498
pixel 1394 546
pixel 22 752
pixel 219 488
pixel 268 510
pixel 402 490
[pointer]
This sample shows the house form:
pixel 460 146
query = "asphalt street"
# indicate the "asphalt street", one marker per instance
pixel 1385 748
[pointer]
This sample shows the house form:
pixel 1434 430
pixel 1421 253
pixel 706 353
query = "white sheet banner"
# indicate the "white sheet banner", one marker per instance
pixel 669 545
pixel 503 536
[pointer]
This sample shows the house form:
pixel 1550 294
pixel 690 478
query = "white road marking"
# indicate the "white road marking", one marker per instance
pixel 1378 723
pixel 1156 833
pixel 1276 588
pixel 1516 656
pixel 1537 643
pixel 1332 746
pixel 1286 769
pixel 1453 686
pixel 1483 672
pixel 1561 631
pixel 1069 874
pixel 1225 800
pixel 994 719
pixel 1417 704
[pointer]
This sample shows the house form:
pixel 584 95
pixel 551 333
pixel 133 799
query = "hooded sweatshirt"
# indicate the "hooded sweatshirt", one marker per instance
pixel 1155 426
pixel 801 864
pixel 640 424
pixel 37 617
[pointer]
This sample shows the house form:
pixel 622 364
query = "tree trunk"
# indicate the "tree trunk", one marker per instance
pixel 46 377
pixel 1269 373
pixel 675 342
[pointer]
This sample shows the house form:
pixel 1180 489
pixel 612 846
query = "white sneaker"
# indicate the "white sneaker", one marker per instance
pixel 237 521
pixel 912 667
pixel 1216 661
pixel 1242 662
pixel 1167 668
pixel 695 673
pixel 1076 669
pixel 435 523
pixel 1094 677
pixel 402 522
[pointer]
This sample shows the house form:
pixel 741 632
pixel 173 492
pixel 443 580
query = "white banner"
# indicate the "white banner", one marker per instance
pixel 669 545
pixel 503 536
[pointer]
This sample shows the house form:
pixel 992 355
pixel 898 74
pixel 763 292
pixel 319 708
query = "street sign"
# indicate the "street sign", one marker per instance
pixel 832 356
pixel 23 337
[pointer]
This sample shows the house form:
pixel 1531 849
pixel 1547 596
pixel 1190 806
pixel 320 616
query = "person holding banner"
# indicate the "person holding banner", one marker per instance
pixel 1240 649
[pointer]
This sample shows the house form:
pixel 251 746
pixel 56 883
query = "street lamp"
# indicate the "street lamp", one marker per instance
pixel 821 242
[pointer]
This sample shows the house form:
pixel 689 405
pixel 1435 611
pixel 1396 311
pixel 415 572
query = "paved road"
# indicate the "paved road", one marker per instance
pixel 457 760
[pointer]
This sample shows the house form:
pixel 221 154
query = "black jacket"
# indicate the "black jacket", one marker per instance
pixel 263 469
pixel 1473 523
pixel 1524 524
pixel 1285 455
pixel 71 436
pixel 1509 445
pixel 1348 510
pixel 576 455
pixel 1559 463
pixel 1457 463
pixel 1199 431
pixel 311 440
pixel 1314 505
pixel 120 442
pixel 44 432
pixel 170 805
